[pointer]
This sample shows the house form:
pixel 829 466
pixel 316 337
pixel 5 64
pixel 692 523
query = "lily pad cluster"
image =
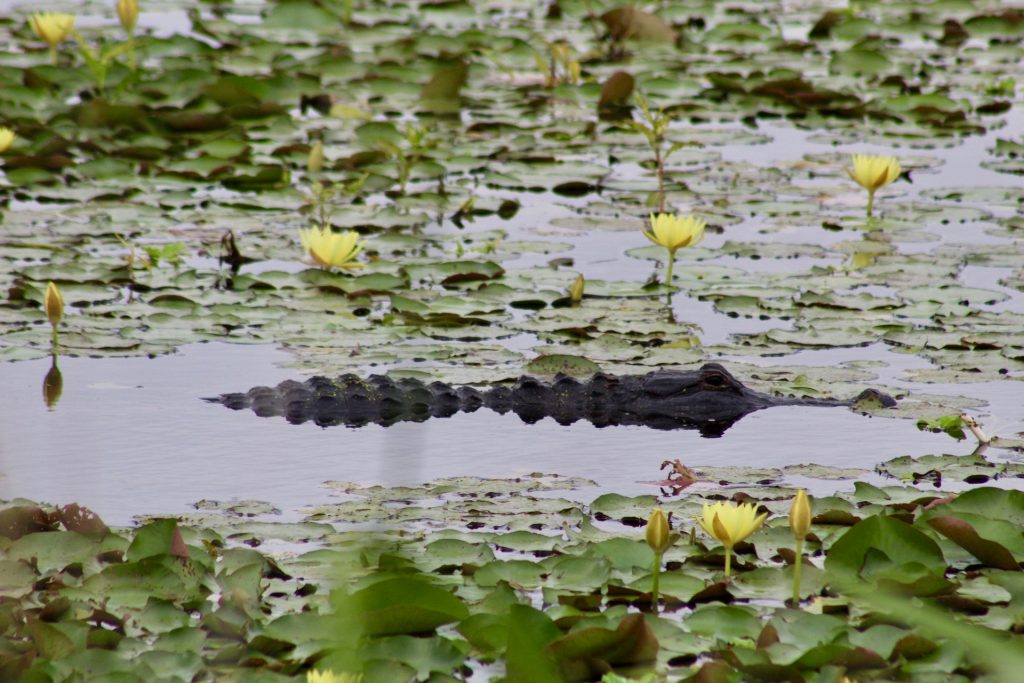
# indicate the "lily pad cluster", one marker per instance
pixel 167 206
pixel 487 579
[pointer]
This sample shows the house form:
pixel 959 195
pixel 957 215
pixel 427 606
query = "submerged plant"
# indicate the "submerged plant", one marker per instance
pixel 53 302
pixel 99 61
pixel 330 249
pixel 418 143
pixel 562 67
pixel 673 233
pixel 873 172
pixel 7 138
pixel 654 127
pixel 660 539
pixel 151 256
pixel 729 524
pixel 323 192
pixel 53 28
pixel 800 523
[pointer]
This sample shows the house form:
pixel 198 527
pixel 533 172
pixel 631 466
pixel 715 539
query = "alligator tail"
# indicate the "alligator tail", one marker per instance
pixel 355 401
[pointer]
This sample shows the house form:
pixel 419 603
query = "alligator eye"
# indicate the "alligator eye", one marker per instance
pixel 715 381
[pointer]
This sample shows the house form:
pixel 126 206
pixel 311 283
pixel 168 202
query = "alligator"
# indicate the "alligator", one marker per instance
pixel 709 399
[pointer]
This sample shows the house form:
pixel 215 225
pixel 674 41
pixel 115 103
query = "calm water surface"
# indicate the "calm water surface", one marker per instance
pixel 132 436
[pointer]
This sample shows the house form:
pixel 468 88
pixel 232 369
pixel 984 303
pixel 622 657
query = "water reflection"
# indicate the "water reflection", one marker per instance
pixel 53 384
pixel 132 436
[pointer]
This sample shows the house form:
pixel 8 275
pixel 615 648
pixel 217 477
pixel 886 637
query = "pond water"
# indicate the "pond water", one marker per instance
pixel 130 436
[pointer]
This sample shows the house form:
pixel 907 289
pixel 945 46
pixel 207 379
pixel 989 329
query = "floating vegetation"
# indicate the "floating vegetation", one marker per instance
pixel 466 163
pixel 472 578
pixel 174 153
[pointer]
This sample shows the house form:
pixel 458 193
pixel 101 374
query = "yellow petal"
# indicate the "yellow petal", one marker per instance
pixel 722 532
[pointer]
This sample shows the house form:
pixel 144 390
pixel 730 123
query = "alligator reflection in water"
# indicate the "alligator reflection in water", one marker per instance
pixel 709 399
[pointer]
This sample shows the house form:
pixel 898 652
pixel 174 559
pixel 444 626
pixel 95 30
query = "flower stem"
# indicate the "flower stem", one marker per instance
pixel 668 273
pixel 871 201
pixel 53 55
pixel 131 52
pixel 728 561
pixel 56 342
pixel 661 178
pixel 655 575
pixel 797 565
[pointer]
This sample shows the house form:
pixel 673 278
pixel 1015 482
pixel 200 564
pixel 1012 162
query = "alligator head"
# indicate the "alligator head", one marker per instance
pixel 709 399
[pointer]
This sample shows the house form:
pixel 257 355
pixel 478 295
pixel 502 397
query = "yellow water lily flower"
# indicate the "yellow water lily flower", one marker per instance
pixel 7 137
pixel 675 232
pixel 52 27
pixel 128 14
pixel 730 524
pixel 331 677
pixel 873 172
pixel 330 249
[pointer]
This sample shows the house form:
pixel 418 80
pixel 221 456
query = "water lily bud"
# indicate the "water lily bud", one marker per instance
pixel 7 137
pixel 128 13
pixel 576 289
pixel 315 162
pixel 658 532
pixel 52 27
pixel 54 304
pixel 800 514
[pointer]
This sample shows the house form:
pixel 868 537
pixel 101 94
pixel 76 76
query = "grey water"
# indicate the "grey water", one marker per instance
pixel 131 436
